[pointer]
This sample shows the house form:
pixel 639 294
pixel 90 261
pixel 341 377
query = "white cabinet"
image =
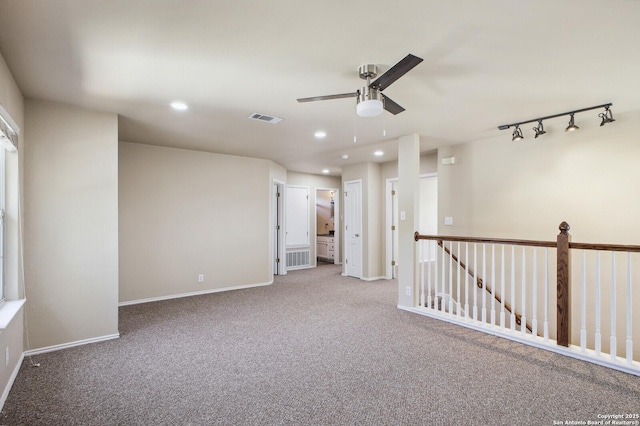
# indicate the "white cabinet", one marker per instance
pixel 325 247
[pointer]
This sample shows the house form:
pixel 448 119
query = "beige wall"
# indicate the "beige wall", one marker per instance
pixel 71 223
pixel 185 213
pixel 12 337
pixel 587 178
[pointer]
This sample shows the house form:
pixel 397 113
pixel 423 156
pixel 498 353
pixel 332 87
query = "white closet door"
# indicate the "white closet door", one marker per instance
pixel 297 216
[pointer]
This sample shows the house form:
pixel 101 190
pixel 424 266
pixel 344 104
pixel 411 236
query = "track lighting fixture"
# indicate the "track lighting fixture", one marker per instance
pixel 517 134
pixel 539 130
pixel 606 116
pixel 572 125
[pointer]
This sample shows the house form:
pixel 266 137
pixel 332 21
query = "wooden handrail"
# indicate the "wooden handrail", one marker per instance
pixel 604 247
pixel 417 236
pixel 480 284
pixel 533 243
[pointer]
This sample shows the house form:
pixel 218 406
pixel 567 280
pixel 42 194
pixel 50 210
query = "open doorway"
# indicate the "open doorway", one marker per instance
pixel 428 219
pixel 327 226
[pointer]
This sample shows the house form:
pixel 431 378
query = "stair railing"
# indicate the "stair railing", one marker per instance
pixel 602 304
pixel 481 285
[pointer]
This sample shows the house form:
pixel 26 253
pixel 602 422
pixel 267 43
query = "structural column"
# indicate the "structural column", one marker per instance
pixel 408 211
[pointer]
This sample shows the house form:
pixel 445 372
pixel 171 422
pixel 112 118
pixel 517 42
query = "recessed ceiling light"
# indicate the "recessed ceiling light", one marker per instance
pixel 179 106
pixel 320 134
pixel 378 153
pixel 325 171
pixel 344 156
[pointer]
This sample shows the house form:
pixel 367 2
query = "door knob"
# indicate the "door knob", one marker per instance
pixel 357 235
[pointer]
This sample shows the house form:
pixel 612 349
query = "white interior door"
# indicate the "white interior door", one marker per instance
pixel 353 228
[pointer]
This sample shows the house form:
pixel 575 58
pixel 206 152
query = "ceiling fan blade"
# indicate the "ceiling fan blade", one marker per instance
pixel 391 106
pixel 395 72
pixel 327 97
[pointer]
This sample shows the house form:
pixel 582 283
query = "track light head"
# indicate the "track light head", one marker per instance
pixel 572 125
pixel 539 130
pixel 607 116
pixel 517 134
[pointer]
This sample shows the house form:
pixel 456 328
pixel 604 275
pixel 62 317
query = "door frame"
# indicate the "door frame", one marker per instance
pixel 279 267
pixel 336 222
pixel 389 222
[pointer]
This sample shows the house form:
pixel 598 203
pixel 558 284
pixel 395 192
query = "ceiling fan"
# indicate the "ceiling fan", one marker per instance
pixel 370 100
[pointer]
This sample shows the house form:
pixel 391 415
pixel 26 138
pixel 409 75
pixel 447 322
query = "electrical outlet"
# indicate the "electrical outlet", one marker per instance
pixel 6 356
pixel 408 291
pixel 201 278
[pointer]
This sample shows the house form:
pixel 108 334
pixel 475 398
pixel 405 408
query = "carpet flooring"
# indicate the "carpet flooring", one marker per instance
pixel 314 348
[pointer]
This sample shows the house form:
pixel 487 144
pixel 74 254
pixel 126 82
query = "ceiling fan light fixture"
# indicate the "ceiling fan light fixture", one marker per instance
pixel 369 103
pixel 370 108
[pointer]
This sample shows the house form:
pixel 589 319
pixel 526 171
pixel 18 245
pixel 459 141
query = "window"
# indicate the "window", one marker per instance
pixel 2 214
pixel 8 142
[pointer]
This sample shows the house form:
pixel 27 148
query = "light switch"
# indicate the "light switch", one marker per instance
pixel 403 215
pixel 448 221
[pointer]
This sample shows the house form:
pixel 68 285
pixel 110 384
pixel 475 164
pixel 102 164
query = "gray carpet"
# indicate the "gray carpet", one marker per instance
pixel 313 348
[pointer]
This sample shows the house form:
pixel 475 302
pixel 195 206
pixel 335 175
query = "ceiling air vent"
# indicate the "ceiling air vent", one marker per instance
pixel 265 118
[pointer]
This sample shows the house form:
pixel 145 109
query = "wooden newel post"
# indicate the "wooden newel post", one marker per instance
pixel 564 285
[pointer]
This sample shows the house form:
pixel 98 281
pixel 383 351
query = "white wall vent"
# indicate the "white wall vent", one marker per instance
pixel 265 118
pixel 298 259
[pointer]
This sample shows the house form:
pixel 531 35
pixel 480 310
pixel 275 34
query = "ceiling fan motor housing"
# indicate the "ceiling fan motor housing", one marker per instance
pixel 368 71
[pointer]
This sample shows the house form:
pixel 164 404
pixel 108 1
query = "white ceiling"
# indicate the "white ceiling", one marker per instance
pixel 486 63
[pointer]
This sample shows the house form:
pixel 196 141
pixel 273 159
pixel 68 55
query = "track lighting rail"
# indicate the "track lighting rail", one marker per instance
pixel 506 126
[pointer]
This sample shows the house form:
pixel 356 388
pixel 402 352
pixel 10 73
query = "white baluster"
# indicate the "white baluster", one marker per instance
pixel 612 339
pixel 598 336
pixel 442 277
pixel 435 277
pixel 429 255
pixel 421 249
pixel 475 282
pixel 458 281
pixel 523 297
pixel 466 281
pixel 484 281
pixel 513 289
pixel 451 278
pixel 534 301
pixel 545 330
pixel 583 305
pixel 629 313
pixel 502 296
pixel 493 284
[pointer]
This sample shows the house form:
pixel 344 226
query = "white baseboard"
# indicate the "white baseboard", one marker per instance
pixel 366 279
pixel 9 385
pixel 194 293
pixel 70 344
pixel 374 278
